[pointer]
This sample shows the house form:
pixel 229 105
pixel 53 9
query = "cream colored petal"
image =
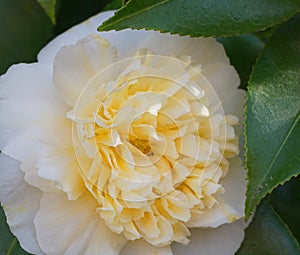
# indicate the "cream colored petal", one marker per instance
pixel 20 202
pixel 31 175
pixel 203 51
pixel 73 227
pixel 223 78
pixel 230 205
pixel 235 104
pixel 140 247
pixel 225 82
pixel 33 116
pixel 60 166
pixel 234 184
pixel 224 240
pixel 30 108
pixel 75 65
pixel 71 36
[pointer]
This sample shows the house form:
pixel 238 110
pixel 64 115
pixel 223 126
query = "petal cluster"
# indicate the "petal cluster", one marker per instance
pixel 132 135
pixel 154 142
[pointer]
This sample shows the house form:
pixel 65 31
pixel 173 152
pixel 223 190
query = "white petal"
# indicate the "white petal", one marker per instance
pixel 225 82
pixel 224 240
pixel 127 42
pixel 202 50
pixel 234 184
pixel 74 65
pixel 235 103
pixel 223 77
pixel 73 227
pixel 32 113
pixel 20 203
pixel 72 35
pixel 29 108
pixel 230 205
pixel 141 247
pixel 59 164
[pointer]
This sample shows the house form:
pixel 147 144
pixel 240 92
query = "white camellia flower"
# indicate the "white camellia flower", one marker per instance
pixel 123 143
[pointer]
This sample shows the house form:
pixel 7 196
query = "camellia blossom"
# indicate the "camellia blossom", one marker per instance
pixel 123 143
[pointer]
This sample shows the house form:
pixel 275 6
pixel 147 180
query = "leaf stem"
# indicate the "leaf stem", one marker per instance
pixel 11 247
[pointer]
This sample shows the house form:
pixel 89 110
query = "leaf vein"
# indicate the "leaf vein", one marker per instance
pixel 281 146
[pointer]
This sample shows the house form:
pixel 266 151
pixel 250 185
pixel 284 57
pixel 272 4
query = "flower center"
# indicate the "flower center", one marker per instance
pixel 154 146
pixel 143 145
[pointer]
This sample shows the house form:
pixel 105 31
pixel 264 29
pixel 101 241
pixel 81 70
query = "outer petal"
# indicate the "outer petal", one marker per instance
pixel 32 113
pixel 203 51
pixel 71 36
pixel 224 240
pixel 231 203
pixel 29 104
pixel 74 65
pixel 141 247
pixel 234 184
pixel 20 203
pixel 59 164
pixel 225 82
pixel 74 228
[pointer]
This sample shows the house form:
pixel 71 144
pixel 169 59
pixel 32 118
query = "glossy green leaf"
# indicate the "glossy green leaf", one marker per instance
pixel 24 29
pixel 113 5
pixel 272 115
pixel 242 51
pixel 265 35
pixel 268 235
pixel 49 6
pixel 286 201
pixel 202 18
pixel 9 244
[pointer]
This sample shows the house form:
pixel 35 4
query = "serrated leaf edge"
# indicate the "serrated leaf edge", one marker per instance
pixel 249 209
pixel 283 223
pixel 105 24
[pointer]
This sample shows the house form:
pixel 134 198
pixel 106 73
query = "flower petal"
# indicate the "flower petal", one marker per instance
pixel 20 203
pixel 234 184
pixel 32 115
pixel 230 205
pixel 224 240
pixel 74 227
pixel 224 80
pixel 203 50
pixel 75 65
pixel 139 247
pixel 60 166
pixel 24 105
pixel 71 36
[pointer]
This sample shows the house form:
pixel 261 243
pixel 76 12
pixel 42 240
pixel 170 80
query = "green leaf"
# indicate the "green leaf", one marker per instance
pixel 242 51
pixel 202 18
pixel 24 29
pixel 50 7
pixel 113 5
pixel 268 235
pixel 286 201
pixel 9 244
pixel 272 115
pixel 265 35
